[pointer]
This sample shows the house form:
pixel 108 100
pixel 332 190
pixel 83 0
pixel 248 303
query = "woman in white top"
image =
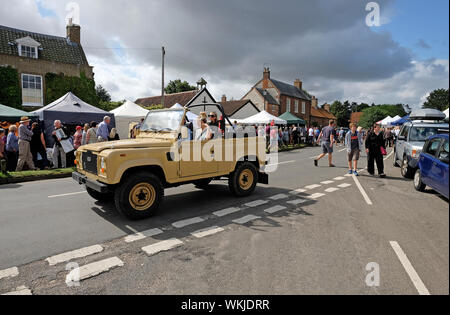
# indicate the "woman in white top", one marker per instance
pixel 92 134
pixel 204 132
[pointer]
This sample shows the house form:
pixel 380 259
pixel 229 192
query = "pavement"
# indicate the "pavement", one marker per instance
pixel 310 231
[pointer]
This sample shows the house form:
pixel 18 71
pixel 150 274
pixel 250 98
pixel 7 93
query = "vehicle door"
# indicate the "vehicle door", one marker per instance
pixel 401 142
pixel 198 157
pixel 427 159
pixel 440 168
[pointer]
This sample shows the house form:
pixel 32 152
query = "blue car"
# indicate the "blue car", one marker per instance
pixel 433 165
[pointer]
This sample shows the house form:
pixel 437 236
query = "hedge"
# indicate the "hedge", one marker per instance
pixel 10 91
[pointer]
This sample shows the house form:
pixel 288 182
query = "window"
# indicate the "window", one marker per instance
pixel 303 108
pixel 422 133
pixel 433 147
pixel 288 104
pixel 32 90
pixel 404 132
pixel 296 106
pixel 274 108
pixel 28 51
pixel 443 154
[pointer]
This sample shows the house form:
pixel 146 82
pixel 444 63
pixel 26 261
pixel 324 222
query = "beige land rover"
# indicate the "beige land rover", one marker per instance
pixel 134 173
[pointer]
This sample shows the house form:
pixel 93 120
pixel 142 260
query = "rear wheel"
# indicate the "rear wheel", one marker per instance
pixel 418 184
pixel 104 197
pixel 407 172
pixel 243 180
pixel 139 196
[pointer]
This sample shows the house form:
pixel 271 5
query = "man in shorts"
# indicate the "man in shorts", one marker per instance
pixel 354 145
pixel 328 137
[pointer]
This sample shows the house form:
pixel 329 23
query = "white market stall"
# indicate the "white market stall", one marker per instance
pixel 126 114
pixel 262 118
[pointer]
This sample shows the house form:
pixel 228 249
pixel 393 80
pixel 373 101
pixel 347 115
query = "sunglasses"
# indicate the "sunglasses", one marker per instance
pixel 213 116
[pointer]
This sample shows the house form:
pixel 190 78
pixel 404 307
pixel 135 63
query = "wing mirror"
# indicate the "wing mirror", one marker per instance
pixel 184 133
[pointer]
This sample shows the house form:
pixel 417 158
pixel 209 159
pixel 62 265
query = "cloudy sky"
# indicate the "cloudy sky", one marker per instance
pixel 325 43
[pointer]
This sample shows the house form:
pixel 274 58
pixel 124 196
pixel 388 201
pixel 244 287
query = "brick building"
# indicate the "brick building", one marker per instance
pixel 321 116
pixel 34 55
pixel 277 97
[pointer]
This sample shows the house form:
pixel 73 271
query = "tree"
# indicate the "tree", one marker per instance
pixel 438 99
pixel 342 112
pixel 102 94
pixel 10 91
pixel 177 86
pixel 376 113
pixel 362 107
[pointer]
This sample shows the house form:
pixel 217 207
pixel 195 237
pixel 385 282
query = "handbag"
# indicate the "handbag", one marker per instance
pixel 383 151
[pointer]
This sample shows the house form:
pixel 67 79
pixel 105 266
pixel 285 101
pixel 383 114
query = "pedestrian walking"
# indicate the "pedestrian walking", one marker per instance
pixel 78 138
pixel 354 144
pixel 59 134
pixel 103 130
pixel 39 148
pixel 12 149
pixel 25 156
pixel 92 133
pixel 328 137
pixel 2 151
pixel 375 144
pixel 85 132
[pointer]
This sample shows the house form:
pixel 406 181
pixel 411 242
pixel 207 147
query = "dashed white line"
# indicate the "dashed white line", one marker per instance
pixel 227 211
pixel 339 178
pixel 298 191
pixel 184 223
pixel 327 182
pixel 256 203
pixel 390 154
pixel 22 290
pixel 275 209
pixel 162 246
pixel 207 232
pixel 344 185
pixel 316 196
pixel 9 273
pixel 312 187
pixel 246 219
pixel 93 269
pixel 142 235
pixel 363 192
pixel 297 201
pixel 278 197
pixel 331 190
pixel 69 194
pixel 420 286
pixel 79 253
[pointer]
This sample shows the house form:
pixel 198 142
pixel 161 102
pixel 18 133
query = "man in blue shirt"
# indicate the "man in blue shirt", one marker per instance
pixel 328 137
pixel 103 131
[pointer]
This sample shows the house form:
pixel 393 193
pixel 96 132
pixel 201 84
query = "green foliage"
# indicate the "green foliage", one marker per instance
pixel 58 85
pixel 362 107
pixel 438 99
pixel 102 94
pixel 109 106
pixel 10 91
pixel 342 112
pixel 177 86
pixel 374 114
pixel 154 107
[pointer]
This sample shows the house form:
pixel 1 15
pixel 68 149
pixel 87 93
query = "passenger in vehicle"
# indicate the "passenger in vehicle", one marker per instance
pixel 204 132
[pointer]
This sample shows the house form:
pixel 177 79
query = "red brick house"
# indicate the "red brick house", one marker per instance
pixel 277 97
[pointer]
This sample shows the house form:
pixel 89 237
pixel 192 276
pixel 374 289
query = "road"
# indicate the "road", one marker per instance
pixel 311 231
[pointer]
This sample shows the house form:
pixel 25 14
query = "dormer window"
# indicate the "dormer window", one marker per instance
pixel 28 51
pixel 28 47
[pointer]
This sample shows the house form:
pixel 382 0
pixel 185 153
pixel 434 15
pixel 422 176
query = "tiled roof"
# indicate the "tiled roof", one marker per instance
pixel 290 90
pixel 356 117
pixel 269 98
pixel 321 113
pixel 56 49
pixel 231 107
pixel 169 100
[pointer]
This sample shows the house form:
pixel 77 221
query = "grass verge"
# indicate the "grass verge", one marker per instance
pixel 27 176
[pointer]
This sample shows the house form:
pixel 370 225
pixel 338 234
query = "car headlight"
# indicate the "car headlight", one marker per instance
pixel 416 153
pixel 103 166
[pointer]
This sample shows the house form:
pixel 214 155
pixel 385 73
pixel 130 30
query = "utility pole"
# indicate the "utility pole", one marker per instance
pixel 162 91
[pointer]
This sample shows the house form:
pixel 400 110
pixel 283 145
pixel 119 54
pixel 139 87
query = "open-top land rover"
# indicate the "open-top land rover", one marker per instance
pixel 134 173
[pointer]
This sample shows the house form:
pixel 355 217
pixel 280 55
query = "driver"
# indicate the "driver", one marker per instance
pixel 213 124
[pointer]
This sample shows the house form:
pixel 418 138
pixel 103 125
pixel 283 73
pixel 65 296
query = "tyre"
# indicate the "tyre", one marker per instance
pixel 139 196
pixel 243 180
pixel 395 160
pixel 106 197
pixel 407 172
pixel 418 184
pixel 202 183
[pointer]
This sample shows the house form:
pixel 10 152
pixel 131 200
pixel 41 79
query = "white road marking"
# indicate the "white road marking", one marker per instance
pixel 420 286
pixel 131 229
pixel 183 223
pixel 316 196
pixel 93 269
pixel 363 192
pixel 312 187
pixel 9 273
pixel 207 232
pixel 79 253
pixel 330 190
pixel 256 203
pixel 162 246
pixel 297 201
pixel 298 191
pixel 344 185
pixel 281 163
pixel 274 209
pixel 22 290
pixel 246 219
pixel 225 212
pixel 348 175
pixel 278 197
pixel 339 178
pixel 69 194
pixel 142 235
pixel 390 154
pixel 342 150
pixel 327 182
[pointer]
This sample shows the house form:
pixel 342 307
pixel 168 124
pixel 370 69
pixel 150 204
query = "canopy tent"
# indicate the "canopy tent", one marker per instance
pixel 176 106
pixel 292 119
pixel 12 115
pixel 71 111
pixel 262 118
pixel 446 113
pixel 385 121
pixel 390 122
pixel 126 114
pixel 400 121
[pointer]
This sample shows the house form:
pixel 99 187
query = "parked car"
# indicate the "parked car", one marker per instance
pixel 412 137
pixel 433 165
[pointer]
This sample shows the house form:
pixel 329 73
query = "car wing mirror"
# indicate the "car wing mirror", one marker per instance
pixel 184 132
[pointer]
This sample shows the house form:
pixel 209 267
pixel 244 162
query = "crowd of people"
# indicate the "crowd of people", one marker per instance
pixel 26 146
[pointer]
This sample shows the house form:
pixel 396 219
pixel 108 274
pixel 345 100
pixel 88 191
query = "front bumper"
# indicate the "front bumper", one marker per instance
pixel 413 163
pixel 95 185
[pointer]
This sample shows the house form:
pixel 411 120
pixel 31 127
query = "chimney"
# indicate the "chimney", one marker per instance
pixel 327 107
pixel 73 32
pixel 266 78
pixel 298 84
pixel 314 102
pixel 224 98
